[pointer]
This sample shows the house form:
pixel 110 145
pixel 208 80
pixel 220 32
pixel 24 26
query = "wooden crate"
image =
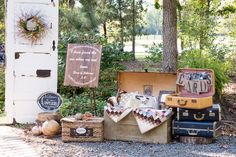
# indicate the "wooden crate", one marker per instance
pixel 82 130
pixel 127 130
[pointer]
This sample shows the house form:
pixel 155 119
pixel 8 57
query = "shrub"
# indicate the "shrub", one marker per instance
pixel 110 65
pixel 198 59
pixel 156 53
pixel 2 90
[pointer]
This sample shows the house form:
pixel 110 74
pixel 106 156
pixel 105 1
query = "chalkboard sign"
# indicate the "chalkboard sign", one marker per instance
pixel 49 101
pixel 83 65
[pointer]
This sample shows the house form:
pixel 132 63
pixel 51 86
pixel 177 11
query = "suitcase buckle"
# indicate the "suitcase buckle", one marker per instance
pixel 198 118
pixel 182 102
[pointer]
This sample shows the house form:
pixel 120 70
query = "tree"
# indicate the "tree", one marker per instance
pixel 2 26
pixel 133 26
pixel 153 21
pixel 128 20
pixel 170 52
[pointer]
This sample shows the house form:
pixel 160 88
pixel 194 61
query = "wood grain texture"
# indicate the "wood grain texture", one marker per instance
pixel 83 65
pixel 127 130
pixel 169 36
pixel 69 124
pixel 195 140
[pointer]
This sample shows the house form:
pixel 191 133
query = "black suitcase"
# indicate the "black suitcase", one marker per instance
pixel 197 129
pixel 210 114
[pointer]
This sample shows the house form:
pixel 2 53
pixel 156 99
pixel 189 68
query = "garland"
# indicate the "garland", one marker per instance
pixel 32 26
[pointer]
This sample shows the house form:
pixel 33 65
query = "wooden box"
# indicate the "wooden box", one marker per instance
pixel 127 129
pixel 195 88
pixel 82 130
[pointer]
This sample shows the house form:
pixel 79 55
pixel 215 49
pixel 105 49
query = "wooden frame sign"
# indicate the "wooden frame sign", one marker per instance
pixel 82 65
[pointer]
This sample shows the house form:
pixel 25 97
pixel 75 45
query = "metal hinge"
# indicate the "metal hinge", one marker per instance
pixel 6 7
pixel 53 45
pixel 53 3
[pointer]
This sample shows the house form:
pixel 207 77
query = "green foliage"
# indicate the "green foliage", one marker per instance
pixel 81 104
pixel 2 90
pixel 156 53
pixel 110 65
pixel 198 59
pixel 153 21
pixel 2 25
pixel 121 23
pixel 198 24
pixel 157 5
pixel 225 11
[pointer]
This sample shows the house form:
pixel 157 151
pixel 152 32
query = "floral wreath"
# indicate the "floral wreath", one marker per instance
pixel 32 26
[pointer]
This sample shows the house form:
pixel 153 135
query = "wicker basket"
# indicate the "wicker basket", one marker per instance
pixel 82 130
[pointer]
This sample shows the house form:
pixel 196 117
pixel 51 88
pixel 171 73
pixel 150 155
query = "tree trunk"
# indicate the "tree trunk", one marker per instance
pixel 105 29
pixel 181 38
pixel 121 25
pixel 170 51
pixel 133 33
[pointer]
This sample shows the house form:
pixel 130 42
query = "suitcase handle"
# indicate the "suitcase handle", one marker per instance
pixel 182 102
pixel 192 132
pixel 198 118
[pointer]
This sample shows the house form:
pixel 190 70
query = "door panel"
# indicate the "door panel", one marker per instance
pixel 30 88
pixel 27 64
pixel 25 110
pixel 31 68
pixel 45 9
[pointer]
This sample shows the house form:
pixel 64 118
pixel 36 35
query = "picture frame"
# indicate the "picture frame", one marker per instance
pixel 148 90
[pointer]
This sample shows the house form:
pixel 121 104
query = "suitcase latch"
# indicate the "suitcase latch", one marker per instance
pixel 182 102
pixel 185 113
pixel 212 114
pixel 193 132
pixel 196 117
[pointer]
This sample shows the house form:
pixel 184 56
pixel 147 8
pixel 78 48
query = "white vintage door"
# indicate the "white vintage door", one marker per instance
pixel 31 67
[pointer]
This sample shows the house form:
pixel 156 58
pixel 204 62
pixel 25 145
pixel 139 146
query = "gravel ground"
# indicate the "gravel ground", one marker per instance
pixel 224 146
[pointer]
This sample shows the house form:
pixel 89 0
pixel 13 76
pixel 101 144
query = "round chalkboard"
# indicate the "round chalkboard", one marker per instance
pixel 49 101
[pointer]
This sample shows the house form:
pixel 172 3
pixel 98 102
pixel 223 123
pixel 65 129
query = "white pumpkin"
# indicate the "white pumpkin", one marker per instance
pixel 50 127
pixel 78 116
pixel 36 130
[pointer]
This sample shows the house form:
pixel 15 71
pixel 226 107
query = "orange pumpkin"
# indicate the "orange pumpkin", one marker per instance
pixel 50 127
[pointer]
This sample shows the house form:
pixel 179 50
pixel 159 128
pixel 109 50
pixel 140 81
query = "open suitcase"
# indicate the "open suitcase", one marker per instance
pixel 195 88
pixel 147 83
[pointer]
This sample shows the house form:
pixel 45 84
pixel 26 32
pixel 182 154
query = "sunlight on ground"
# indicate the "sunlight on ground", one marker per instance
pixel 11 145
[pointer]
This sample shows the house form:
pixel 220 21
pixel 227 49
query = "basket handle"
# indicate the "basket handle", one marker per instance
pixel 182 102
pixel 199 118
pixel 192 132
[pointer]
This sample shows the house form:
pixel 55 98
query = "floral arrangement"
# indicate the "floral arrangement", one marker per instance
pixel 32 26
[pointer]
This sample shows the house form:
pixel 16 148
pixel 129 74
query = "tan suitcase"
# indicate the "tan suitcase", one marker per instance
pixel 195 88
pixel 145 83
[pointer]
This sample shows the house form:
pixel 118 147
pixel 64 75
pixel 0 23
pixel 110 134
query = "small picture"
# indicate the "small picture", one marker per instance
pixel 148 90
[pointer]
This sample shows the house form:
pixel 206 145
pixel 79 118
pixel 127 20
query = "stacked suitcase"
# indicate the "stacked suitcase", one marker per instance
pixel 196 116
